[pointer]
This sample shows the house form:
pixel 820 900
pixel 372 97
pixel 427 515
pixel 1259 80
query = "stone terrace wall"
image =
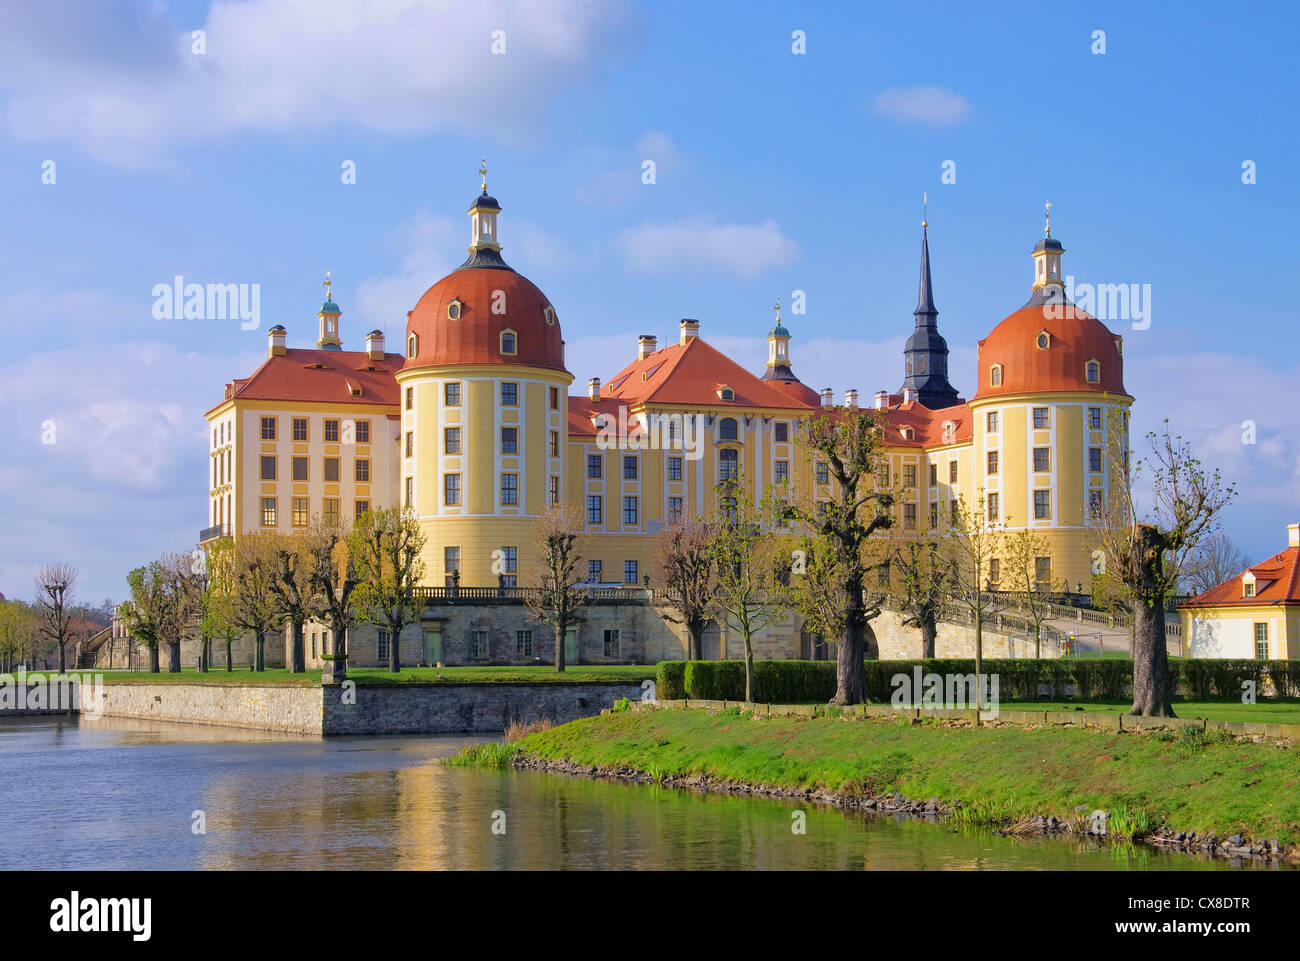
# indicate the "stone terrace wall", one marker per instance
pixel 294 710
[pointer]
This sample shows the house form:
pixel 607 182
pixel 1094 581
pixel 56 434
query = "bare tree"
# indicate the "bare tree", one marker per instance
pixel 1025 583
pixel 923 571
pixel 846 444
pixel 684 568
pixel 253 603
pixel 1215 560
pixel 1143 554
pixel 18 625
pixel 385 546
pixel 145 613
pixel 556 599
pixel 55 588
pixel 974 542
pixel 294 593
pixel 334 579
pixel 219 619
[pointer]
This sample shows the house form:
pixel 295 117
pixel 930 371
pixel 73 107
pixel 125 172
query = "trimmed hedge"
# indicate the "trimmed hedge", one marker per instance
pixel 785 682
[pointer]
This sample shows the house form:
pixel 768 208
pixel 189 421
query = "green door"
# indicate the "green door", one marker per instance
pixel 433 646
pixel 571 646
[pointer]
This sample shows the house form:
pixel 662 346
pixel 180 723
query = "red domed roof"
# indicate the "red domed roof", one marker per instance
pixel 796 390
pixel 475 336
pixel 1074 338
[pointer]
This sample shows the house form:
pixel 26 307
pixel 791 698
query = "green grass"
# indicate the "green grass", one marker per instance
pixel 1265 711
pixel 577 674
pixel 1191 781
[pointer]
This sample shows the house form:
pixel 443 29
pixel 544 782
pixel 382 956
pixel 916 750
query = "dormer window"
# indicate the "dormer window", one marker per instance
pixel 508 342
pixel 1044 340
pixel 453 310
pixel 549 313
pixel 725 392
pixel 949 431
pixel 995 375
pixel 1092 371
pixel 412 345
pixel 906 432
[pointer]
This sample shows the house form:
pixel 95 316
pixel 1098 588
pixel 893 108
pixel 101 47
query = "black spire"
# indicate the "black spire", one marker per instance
pixel 926 354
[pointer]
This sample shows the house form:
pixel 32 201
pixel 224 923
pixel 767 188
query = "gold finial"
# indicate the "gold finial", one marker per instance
pixel 925 203
pixel 327 285
pixel 483 173
pixel 777 308
pixel 1047 212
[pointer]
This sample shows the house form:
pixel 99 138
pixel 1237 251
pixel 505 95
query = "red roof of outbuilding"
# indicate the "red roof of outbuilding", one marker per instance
pixel 1277 581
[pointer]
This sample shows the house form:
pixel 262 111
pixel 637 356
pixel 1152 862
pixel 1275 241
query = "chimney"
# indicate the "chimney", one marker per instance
pixel 909 395
pixel 593 389
pixel 275 342
pixel 882 400
pixel 828 398
pixel 690 329
pixel 375 344
pixel 1293 535
pixel 851 399
pixel 646 345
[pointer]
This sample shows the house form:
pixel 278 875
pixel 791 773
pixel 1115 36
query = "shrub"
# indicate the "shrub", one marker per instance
pixel 670 680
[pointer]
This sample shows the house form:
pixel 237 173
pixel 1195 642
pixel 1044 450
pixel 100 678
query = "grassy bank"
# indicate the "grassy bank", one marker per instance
pixel 578 674
pixel 1265 711
pixel 1191 782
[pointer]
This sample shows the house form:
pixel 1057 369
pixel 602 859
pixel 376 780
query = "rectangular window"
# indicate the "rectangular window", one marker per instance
pixel 629 510
pixel 611 643
pixel 361 470
pixel 359 508
pixel 554 491
pixel 993 507
pixel 1043 570
pixel 381 646
pixel 909 475
pixel 451 490
pixel 268 428
pixel 995 570
pixel 1042 420
pixel 408 499
pixel 674 510
pixel 593 572
pixel 1042 505
pixel 882 477
pixel 510 440
pixel 952 472
pixel 300 428
pixel 268 467
pixel 629 467
pixel 629 572
pixel 300 468
pixel 410 398
pixel 1042 459
pixel 509 489
pixel 1094 459
pixel 593 465
pixel 300 511
pixel 782 474
pixel 363 432
pixel 674 468
pixel 451 394
pixel 1095 503
pixel 331 431
pixel 509 395
pixel 991 422
pixel 510 564
pixel 330 513
pixel 450 563
pixel 593 509
pixel 268 511
pixel 934 517
pixel 451 440
pixel 481 645
pixel 1094 418
pixel 782 432
pixel 410 443
pixel 954 514
pixel 1248 589
pixel 1261 640
pixel 524 643
pixel 555 443
pixel 554 397
pixel 934 474
pixel 331 470
pixel 823 473
pixel 909 517
pixel 882 574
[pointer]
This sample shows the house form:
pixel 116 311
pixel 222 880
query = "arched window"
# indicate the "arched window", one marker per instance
pixel 508 343
pixel 453 310
pixel 549 313
pixel 995 375
pixel 728 464
pixel 412 345
pixel 727 429
pixel 1092 370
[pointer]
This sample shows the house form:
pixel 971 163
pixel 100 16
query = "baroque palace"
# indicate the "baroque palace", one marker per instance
pixel 474 427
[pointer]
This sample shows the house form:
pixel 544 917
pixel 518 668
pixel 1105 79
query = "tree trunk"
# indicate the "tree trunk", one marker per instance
pixel 979 651
pixel 929 631
pixel 1152 685
pixel 395 649
pixel 1038 641
pixel 229 666
pixel 203 654
pixel 63 654
pixel 749 670
pixel 174 657
pixel 297 656
pixel 561 632
pixel 153 659
pixel 259 651
pixel 695 642
pixel 850 671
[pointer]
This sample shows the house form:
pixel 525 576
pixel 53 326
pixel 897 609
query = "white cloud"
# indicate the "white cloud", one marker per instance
pixel 931 106
pixel 618 180
pixel 742 250
pixel 130 89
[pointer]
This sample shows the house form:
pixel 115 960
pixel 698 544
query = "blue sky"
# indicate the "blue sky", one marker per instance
pixel 775 172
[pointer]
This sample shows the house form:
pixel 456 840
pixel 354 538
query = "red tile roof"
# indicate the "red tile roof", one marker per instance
pixel 1277 581
pixel 321 376
pixel 1076 337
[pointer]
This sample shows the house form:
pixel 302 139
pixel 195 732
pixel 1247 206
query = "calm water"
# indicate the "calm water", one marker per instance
pixel 121 794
